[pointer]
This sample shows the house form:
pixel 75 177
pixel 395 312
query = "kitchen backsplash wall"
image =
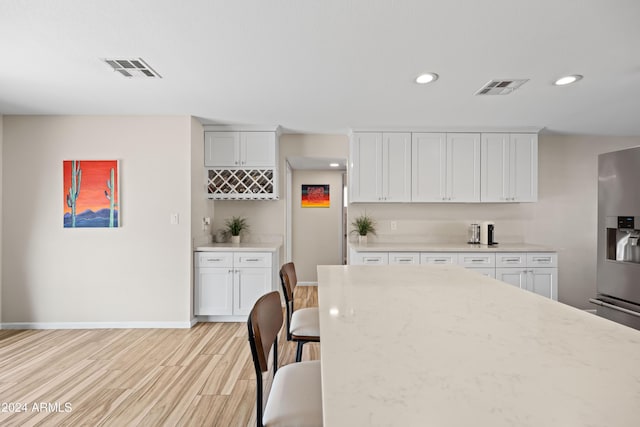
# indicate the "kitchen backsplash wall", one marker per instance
pixel 440 223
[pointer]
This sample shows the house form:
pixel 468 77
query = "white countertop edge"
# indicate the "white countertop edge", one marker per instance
pixel 241 247
pixel 448 247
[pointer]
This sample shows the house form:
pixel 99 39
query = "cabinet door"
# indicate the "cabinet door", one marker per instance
pixel 524 167
pixel 494 155
pixel 249 285
pixel 214 291
pixel 513 276
pixel 404 258
pixel 222 149
pixel 366 167
pixel 258 149
pixel 543 281
pixel 428 167
pixel 396 167
pixel 463 167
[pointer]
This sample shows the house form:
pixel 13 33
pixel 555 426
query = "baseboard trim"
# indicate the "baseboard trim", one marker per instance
pixel 98 325
pixel 307 284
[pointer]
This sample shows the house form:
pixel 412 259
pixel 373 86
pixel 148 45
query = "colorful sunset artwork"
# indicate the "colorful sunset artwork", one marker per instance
pixel 90 193
pixel 315 196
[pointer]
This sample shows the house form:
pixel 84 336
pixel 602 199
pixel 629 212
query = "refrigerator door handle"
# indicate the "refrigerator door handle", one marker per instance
pixel 613 307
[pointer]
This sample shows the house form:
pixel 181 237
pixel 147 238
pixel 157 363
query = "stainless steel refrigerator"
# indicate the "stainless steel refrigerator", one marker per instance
pixel 618 274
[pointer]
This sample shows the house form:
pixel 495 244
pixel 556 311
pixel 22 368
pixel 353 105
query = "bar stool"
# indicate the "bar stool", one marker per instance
pixel 303 325
pixel 295 398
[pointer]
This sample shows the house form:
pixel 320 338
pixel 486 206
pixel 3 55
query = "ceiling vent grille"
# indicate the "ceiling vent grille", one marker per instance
pixel 132 68
pixel 501 87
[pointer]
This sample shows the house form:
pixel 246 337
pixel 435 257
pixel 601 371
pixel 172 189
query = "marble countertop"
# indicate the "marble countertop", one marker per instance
pixel 241 247
pixel 447 247
pixel 444 346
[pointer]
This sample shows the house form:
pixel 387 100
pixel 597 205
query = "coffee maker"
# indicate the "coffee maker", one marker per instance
pixel 487 233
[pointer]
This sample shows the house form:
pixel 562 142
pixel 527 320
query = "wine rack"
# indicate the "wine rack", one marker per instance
pixel 242 184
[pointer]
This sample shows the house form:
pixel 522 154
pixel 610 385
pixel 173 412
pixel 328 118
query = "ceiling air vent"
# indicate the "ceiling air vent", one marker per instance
pixel 501 87
pixel 132 67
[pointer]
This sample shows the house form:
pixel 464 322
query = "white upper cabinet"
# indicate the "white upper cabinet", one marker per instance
pixel 428 167
pixel 509 167
pixel 380 167
pixel 240 149
pixel 445 167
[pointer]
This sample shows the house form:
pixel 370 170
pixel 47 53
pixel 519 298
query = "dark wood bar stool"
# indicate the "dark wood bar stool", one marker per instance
pixel 303 324
pixel 295 398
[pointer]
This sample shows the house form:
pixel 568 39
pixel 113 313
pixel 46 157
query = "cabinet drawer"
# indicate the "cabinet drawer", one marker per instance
pixel 214 259
pixel 404 258
pixel 252 259
pixel 475 259
pixel 511 259
pixel 372 258
pixel 438 258
pixel 542 259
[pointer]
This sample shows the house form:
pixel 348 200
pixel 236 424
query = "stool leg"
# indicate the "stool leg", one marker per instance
pixel 299 351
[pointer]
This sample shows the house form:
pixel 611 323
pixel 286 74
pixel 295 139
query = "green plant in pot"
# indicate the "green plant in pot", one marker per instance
pixel 363 225
pixel 235 226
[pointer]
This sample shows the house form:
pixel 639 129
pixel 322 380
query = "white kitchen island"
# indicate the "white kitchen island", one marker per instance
pixel 439 345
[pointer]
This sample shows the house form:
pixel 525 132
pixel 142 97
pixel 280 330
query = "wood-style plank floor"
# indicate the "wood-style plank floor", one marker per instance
pixel 135 377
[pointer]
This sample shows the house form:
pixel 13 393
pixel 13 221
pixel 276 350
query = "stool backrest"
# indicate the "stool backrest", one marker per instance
pixel 289 280
pixel 264 323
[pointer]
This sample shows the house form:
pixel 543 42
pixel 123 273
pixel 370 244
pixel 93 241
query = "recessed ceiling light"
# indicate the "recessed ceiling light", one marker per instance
pixel 425 78
pixel 567 80
pixel 334 165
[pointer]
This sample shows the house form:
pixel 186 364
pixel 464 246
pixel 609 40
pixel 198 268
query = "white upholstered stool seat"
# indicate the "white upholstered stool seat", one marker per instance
pixel 305 323
pixel 296 396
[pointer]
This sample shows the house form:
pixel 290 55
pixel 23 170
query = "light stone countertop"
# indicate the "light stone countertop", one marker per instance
pixel 241 247
pixel 447 247
pixel 439 345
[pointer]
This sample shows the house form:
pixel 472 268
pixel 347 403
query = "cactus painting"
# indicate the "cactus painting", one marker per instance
pixel 91 193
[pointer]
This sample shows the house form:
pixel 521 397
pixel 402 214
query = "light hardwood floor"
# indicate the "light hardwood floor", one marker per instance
pixel 135 377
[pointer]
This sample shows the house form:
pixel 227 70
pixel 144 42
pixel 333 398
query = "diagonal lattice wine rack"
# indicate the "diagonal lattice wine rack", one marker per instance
pixel 246 184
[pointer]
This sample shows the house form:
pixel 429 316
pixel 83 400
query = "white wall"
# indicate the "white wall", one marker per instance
pixel 201 206
pixel 138 274
pixel 317 237
pixel 566 216
pixel 1 174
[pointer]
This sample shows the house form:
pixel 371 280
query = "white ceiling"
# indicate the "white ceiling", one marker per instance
pixel 329 65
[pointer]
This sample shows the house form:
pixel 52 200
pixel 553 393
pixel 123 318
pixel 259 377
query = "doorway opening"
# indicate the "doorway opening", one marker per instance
pixel 316 234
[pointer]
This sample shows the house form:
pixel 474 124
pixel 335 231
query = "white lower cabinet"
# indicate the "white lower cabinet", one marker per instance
pixel 537 272
pixel 533 271
pixel 229 283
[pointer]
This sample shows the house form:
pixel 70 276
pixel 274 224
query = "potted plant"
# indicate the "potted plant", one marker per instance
pixel 234 226
pixel 364 225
